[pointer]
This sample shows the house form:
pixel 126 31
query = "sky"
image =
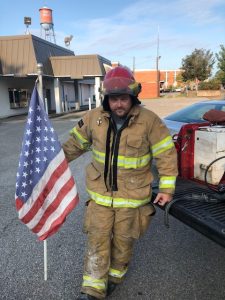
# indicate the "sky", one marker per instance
pixel 130 32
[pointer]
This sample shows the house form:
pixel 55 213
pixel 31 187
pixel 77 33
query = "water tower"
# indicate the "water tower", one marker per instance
pixel 47 26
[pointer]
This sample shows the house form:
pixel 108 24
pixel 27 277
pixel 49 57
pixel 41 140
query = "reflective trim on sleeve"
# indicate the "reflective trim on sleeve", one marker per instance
pixel 85 145
pixel 98 284
pixel 98 156
pixel 117 202
pixel 124 162
pixel 162 146
pixel 167 182
pixel 117 273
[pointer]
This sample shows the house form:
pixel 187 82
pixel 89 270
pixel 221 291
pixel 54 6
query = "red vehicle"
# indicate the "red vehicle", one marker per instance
pixel 199 200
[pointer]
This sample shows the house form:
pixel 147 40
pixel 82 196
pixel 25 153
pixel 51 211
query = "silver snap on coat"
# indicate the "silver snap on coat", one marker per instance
pixel 120 172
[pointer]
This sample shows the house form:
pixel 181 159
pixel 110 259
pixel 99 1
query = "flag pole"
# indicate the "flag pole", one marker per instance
pixel 45 261
pixel 41 96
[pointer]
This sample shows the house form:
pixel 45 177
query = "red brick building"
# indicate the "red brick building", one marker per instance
pixel 151 83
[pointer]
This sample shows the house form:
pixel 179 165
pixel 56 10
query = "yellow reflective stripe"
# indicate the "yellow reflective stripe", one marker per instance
pixel 117 273
pixel 162 146
pixel 98 156
pixel 99 284
pixel 123 161
pixel 133 162
pixel 167 182
pixel 117 202
pixel 83 142
pixel 100 199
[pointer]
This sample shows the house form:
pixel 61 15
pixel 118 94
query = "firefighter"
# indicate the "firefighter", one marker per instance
pixel 124 137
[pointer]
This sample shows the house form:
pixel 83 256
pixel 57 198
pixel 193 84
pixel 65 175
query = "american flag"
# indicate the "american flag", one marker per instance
pixel 45 189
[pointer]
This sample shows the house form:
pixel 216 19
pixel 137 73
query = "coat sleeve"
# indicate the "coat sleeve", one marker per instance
pixel 164 154
pixel 80 139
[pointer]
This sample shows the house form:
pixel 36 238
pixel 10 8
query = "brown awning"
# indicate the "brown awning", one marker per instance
pixel 79 66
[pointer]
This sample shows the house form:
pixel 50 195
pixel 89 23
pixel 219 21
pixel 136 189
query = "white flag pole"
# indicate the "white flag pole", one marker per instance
pixel 40 92
pixel 45 261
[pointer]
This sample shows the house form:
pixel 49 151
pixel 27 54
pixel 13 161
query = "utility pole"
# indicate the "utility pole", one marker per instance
pixel 133 64
pixel 157 66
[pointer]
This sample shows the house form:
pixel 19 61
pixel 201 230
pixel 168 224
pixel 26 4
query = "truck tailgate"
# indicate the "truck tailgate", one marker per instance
pixel 197 206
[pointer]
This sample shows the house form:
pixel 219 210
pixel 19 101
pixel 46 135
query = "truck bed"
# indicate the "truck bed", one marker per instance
pixel 198 207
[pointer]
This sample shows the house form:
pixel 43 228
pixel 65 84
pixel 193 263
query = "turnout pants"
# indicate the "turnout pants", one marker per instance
pixel 111 235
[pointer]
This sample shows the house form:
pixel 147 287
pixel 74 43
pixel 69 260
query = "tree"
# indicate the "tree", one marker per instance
pixel 221 64
pixel 198 66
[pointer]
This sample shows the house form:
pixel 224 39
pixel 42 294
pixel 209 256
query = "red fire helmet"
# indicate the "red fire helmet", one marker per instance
pixel 120 80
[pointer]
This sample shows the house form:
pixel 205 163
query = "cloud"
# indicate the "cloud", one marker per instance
pixel 132 31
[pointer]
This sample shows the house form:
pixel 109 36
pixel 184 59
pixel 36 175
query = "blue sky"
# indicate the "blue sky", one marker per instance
pixel 121 30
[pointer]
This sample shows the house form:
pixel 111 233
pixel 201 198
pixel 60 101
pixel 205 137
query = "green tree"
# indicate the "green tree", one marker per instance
pixel 198 65
pixel 220 75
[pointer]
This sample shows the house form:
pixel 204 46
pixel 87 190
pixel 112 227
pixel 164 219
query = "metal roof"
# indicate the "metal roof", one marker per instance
pixel 20 54
pixel 80 66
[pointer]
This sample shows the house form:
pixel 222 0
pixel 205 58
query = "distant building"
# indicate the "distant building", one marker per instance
pixel 68 80
pixel 151 84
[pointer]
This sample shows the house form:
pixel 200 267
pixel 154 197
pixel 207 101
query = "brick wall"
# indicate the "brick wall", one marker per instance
pixel 148 80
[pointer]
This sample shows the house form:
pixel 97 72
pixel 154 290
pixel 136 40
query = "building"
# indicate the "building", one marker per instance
pixel 69 81
pixel 152 81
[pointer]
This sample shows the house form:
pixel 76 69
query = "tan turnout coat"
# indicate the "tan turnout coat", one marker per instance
pixel 120 172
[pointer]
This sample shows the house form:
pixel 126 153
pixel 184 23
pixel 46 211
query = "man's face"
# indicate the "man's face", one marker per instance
pixel 120 105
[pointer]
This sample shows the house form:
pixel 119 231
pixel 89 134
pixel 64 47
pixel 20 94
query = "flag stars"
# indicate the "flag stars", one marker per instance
pixel 28 132
pixel 24 184
pixel 23 194
pixel 29 121
pixel 53 149
pixel 37 170
pixel 45 159
pixel 45 138
pixel 26 153
pixel 38 149
pixel 38 119
pixel 25 164
pixel 45 149
pixel 27 143
pixel 52 129
pixel 25 174
pixel 38 128
pixel 30 110
pixel 52 139
pixel 37 160
pixel 38 107
pixel 38 139
pixel 46 129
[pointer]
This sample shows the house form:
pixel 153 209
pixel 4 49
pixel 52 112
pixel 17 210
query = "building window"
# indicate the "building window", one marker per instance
pixel 19 98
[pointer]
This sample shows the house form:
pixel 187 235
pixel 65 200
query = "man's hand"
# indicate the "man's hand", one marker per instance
pixel 162 198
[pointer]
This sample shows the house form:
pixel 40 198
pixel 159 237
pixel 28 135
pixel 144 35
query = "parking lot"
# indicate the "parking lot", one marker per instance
pixel 168 264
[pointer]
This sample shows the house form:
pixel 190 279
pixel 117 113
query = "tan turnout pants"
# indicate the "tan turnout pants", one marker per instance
pixel 111 235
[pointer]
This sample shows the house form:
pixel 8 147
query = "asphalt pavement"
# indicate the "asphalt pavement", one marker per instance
pixel 168 264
